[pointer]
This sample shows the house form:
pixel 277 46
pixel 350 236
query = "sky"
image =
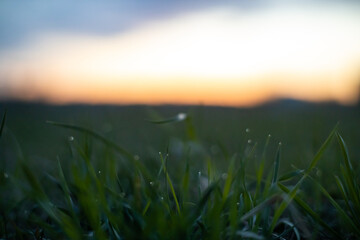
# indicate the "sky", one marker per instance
pixel 236 53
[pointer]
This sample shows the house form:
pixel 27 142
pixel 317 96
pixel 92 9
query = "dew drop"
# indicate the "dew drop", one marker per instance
pixel 199 173
pixel 249 141
pixel 247 130
pixel 136 157
pixel 6 175
pixel 151 183
pixel 280 143
pixel 71 138
pixel 269 135
pixel 181 116
pixel 238 203
pixel 161 198
pixel 99 172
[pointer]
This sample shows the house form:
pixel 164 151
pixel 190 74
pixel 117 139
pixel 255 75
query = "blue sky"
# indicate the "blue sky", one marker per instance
pixel 20 21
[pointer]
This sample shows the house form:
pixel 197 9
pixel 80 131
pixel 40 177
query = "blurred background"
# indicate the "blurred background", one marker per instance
pixel 286 68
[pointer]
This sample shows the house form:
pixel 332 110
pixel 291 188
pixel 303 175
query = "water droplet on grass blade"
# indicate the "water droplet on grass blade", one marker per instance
pixel 6 175
pixel 71 138
pixel 181 116
pixel 247 130
pixel 151 183
pixel 249 141
pixel 99 172
pixel 199 173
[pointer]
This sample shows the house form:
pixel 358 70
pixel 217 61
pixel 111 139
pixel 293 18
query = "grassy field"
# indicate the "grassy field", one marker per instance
pixel 285 170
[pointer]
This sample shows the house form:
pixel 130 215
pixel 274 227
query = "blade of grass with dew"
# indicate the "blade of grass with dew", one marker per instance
pixel 276 165
pixel 293 192
pixel 240 174
pixel 94 209
pixel 96 135
pixel 106 142
pixel 205 197
pixel 170 185
pixel 178 118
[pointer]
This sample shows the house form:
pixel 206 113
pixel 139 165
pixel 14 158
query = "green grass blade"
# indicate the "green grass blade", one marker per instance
pixel 260 169
pixel 173 193
pixel 287 200
pixel 345 153
pixel 146 207
pixel 66 190
pixel 206 197
pixel 342 213
pixel 293 192
pixel 229 179
pixel 168 180
pixel 348 202
pixel 348 174
pixel 3 123
pixel 276 165
pixel 258 208
pixel 290 175
pixel 321 150
pixel 309 211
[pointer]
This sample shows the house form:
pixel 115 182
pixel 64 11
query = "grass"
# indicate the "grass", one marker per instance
pixel 101 190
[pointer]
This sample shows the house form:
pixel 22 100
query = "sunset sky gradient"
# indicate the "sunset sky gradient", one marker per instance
pixel 211 52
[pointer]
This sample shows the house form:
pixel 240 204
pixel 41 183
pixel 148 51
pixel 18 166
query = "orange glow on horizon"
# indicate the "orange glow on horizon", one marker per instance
pixel 193 91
